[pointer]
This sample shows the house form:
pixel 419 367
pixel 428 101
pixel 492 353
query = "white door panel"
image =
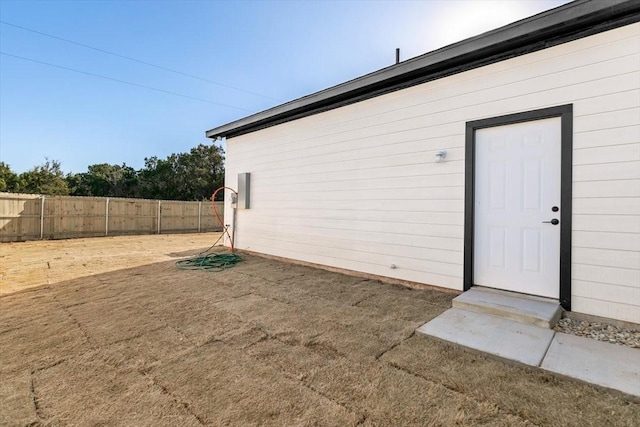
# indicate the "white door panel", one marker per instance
pixel 517 183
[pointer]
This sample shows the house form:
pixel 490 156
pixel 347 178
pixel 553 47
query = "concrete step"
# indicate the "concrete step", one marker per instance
pixel 491 334
pixel 525 309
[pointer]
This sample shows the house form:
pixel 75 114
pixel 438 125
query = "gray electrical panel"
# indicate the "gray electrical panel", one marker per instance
pixel 244 191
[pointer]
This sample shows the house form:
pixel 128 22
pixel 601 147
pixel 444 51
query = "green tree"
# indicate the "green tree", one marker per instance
pixel 105 180
pixel 44 179
pixel 156 179
pixel 8 178
pixel 184 176
pixel 200 171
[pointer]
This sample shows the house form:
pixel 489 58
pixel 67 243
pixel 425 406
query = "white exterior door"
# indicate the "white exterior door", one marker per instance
pixel 517 193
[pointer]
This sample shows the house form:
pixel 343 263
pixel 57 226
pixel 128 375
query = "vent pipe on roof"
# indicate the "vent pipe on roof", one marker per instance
pixel 397 55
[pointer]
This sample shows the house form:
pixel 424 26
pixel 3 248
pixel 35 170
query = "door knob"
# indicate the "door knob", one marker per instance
pixel 554 221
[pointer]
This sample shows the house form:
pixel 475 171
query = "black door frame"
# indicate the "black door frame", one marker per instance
pixel 565 112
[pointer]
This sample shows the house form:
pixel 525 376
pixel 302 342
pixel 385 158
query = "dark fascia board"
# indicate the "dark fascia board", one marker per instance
pixel 568 22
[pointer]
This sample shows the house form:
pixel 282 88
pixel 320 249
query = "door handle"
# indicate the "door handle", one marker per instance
pixel 554 221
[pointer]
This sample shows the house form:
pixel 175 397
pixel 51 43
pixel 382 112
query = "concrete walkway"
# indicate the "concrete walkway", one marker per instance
pixel 604 364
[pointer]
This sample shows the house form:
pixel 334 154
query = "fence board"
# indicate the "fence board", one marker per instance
pixel 178 216
pixel 22 217
pixel 133 216
pixel 73 217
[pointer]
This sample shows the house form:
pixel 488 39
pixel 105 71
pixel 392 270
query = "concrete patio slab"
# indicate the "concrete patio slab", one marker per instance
pixel 491 334
pixel 596 362
pixel 521 308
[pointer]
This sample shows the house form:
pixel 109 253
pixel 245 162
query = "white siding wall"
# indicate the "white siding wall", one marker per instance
pixel 357 187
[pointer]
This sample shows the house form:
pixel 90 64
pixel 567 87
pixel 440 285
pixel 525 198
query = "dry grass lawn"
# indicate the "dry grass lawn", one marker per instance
pixel 108 332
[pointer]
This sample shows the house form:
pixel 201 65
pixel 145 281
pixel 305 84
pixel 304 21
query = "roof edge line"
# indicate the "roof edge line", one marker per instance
pixel 563 20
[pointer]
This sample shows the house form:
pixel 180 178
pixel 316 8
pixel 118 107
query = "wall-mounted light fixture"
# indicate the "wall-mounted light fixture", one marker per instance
pixel 440 155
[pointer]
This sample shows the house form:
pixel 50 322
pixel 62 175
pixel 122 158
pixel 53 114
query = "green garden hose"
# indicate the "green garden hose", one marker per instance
pixel 210 262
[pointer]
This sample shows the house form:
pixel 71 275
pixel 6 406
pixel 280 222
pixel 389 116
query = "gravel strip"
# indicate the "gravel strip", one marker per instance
pixel 600 331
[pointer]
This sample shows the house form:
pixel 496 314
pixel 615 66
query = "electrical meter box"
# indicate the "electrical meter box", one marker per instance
pixel 244 191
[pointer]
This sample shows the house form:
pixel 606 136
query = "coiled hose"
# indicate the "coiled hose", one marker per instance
pixel 213 262
pixel 210 262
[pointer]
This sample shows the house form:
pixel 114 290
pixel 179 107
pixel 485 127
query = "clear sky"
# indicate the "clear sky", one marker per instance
pixel 272 51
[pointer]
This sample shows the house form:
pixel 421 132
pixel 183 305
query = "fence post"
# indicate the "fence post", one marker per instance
pixel 199 214
pixel 106 217
pixel 159 217
pixel 42 218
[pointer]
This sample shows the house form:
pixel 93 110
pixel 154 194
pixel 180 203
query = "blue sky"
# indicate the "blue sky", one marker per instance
pixel 273 51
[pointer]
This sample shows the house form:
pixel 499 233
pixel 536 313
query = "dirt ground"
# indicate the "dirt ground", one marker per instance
pixel 109 332
pixel 29 264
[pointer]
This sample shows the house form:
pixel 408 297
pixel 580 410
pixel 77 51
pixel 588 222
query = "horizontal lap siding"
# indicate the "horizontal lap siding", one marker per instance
pixel 357 187
pixel 606 192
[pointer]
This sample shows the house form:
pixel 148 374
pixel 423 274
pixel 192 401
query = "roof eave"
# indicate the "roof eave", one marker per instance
pixel 555 22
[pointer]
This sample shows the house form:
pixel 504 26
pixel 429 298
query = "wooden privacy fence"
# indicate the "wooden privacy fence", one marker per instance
pixel 30 217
